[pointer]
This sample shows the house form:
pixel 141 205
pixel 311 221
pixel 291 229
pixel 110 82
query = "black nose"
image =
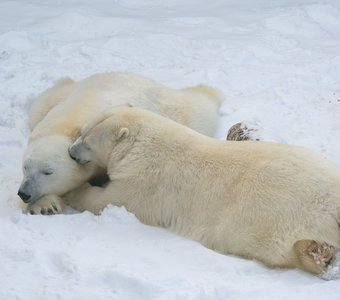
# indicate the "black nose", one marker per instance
pixel 69 152
pixel 24 196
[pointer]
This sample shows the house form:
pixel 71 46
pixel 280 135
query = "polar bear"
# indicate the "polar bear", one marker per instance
pixel 57 116
pixel 272 202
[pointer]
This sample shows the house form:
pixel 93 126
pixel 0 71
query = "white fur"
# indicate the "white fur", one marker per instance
pixel 254 199
pixel 57 116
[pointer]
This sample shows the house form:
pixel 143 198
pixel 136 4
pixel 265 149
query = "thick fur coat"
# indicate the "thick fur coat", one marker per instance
pixel 272 202
pixel 56 117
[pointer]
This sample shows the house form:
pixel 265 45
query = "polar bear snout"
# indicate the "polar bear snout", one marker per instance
pixel 24 197
pixel 72 155
pixel 79 153
pixel 25 192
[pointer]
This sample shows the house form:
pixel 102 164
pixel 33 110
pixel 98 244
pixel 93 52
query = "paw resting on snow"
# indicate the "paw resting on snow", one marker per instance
pixel 47 205
pixel 332 267
pixel 240 132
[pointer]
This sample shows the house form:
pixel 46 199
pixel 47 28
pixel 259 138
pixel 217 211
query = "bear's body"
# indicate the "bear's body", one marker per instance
pixel 57 116
pixel 273 202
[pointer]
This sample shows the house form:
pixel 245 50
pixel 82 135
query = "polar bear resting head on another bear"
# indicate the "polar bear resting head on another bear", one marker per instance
pixel 276 203
pixel 56 117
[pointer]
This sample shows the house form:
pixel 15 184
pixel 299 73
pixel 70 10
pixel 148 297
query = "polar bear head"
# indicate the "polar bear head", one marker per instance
pixel 100 137
pixel 48 169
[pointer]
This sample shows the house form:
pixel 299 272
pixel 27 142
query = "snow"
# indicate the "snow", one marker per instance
pixel 278 64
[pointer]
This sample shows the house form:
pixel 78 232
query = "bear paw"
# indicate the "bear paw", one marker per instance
pixel 47 205
pixel 240 132
pixel 333 269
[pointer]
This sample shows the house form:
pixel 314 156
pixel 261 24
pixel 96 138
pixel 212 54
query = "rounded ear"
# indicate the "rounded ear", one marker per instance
pixel 123 132
pixel 129 104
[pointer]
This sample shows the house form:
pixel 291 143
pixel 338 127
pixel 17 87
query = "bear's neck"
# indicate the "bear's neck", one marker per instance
pixel 159 150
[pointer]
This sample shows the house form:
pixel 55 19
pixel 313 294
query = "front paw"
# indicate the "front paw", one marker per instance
pixel 47 205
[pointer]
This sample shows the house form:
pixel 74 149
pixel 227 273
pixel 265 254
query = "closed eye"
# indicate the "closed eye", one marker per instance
pixel 47 172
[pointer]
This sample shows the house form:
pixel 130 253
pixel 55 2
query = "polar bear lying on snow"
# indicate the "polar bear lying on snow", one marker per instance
pixel 57 116
pixel 276 203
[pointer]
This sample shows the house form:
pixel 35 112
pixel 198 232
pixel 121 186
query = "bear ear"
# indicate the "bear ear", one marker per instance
pixel 123 132
pixel 129 104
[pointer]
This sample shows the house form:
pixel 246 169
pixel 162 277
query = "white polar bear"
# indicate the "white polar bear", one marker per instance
pixel 57 116
pixel 276 203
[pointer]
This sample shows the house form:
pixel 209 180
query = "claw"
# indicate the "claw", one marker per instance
pixel 46 206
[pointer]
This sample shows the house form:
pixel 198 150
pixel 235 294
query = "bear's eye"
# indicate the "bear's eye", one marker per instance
pixel 47 172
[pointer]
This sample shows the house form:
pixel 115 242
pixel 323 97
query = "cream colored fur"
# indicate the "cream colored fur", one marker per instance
pixel 253 199
pixel 57 116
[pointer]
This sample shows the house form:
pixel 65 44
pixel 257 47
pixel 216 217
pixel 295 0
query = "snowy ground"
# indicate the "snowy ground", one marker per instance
pixel 278 63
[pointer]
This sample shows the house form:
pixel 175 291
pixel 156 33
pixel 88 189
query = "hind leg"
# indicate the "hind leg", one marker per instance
pixel 316 257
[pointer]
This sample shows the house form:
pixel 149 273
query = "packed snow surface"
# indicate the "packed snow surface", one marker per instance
pixel 278 64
